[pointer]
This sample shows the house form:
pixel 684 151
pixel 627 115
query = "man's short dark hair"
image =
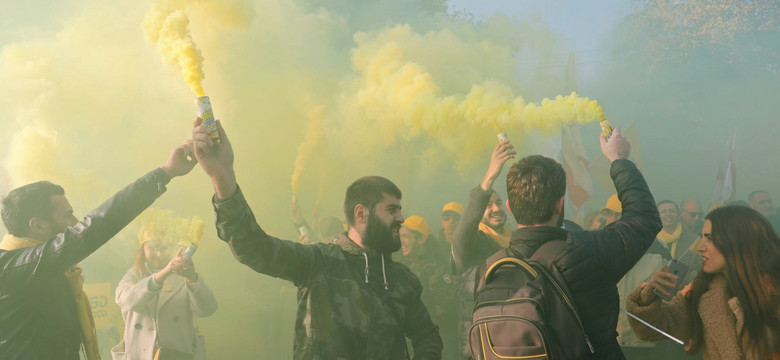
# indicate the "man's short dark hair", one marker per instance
pixel 534 185
pixel 27 202
pixel 367 191
pixel 667 202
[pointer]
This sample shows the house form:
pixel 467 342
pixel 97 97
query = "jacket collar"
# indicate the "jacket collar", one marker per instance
pixel 527 240
pixel 349 247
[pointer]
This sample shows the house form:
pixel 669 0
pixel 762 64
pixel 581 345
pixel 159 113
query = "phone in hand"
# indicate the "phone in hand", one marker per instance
pixel 679 269
pixel 187 253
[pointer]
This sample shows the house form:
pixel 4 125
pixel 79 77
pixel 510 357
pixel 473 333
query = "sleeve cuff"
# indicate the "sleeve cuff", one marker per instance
pixel 153 285
pixel 160 178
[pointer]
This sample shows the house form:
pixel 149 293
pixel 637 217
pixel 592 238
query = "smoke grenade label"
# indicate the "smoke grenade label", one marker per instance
pixel 606 128
pixel 206 115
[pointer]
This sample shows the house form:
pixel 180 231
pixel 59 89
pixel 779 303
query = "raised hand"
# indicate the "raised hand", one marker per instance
pixel 503 152
pixel 617 147
pixel 215 157
pixel 180 160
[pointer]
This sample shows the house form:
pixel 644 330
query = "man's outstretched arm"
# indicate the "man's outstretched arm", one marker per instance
pixel 237 225
pixel 53 257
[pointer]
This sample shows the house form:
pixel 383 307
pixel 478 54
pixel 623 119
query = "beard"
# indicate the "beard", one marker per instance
pixel 380 237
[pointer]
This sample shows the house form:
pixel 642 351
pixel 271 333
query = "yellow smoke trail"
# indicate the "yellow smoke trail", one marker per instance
pixel 398 100
pixel 167 226
pixel 166 27
pixel 312 140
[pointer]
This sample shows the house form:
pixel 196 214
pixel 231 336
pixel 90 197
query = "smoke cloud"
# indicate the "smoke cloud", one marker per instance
pixel 315 94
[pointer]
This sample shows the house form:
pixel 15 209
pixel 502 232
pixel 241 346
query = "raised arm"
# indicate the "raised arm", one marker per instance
pixel 621 244
pixel 465 238
pixel 53 257
pixel 236 224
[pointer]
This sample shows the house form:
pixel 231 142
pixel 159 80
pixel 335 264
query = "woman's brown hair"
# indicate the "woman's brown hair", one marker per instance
pixel 751 249
pixel 140 261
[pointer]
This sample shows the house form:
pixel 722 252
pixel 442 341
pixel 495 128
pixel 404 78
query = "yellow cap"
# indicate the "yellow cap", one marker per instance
pixel 453 206
pixel 613 203
pixel 418 224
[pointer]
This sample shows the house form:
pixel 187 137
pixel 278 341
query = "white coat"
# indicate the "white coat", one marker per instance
pixel 173 307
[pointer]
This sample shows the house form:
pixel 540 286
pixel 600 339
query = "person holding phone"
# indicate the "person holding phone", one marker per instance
pixel 160 295
pixel 730 310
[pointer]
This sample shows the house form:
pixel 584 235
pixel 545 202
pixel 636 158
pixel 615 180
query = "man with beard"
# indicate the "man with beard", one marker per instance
pixel 592 262
pixel 480 233
pixel 357 303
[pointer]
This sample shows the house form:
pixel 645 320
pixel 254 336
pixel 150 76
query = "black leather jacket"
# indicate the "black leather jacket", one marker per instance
pixel 37 307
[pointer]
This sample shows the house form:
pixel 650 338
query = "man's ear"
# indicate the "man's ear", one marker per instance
pixel 38 226
pixel 559 206
pixel 361 214
pixel 507 206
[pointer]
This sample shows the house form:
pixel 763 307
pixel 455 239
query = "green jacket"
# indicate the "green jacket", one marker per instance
pixel 355 303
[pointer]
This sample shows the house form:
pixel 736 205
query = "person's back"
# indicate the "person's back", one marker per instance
pixel 593 261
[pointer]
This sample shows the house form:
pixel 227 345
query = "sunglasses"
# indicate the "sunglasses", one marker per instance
pixel 450 217
pixel 694 214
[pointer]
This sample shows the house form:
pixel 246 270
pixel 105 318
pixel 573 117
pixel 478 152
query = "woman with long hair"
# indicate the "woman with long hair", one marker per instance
pixel 731 310
pixel 162 293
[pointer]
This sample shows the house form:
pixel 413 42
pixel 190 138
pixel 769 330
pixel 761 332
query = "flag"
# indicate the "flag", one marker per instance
pixel 726 179
pixel 575 162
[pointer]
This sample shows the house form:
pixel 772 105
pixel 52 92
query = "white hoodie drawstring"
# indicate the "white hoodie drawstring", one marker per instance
pixel 384 275
pixel 366 257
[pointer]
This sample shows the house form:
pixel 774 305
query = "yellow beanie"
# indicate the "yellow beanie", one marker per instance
pixel 418 224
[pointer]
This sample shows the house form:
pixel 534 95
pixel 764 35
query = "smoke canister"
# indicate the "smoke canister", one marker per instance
pixel 502 136
pixel 206 115
pixel 606 128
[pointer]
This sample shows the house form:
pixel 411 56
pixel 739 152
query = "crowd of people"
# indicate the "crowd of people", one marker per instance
pixel 359 300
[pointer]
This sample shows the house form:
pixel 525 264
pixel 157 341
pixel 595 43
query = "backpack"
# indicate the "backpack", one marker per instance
pixel 523 310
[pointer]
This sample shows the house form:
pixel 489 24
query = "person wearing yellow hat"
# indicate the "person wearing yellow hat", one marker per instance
pixel 450 217
pixel 424 258
pixel 414 233
pixel 611 212
pixel 162 293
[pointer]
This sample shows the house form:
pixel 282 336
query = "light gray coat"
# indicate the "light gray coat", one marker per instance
pixel 173 307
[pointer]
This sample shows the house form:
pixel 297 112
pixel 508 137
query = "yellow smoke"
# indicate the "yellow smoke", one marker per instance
pixel 167 226
pixel 108 113
pixel 312 140
pixel 397 99
pixel 167 27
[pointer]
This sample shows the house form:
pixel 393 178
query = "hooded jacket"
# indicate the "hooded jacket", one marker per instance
pixel 37 308
pixel 355 303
